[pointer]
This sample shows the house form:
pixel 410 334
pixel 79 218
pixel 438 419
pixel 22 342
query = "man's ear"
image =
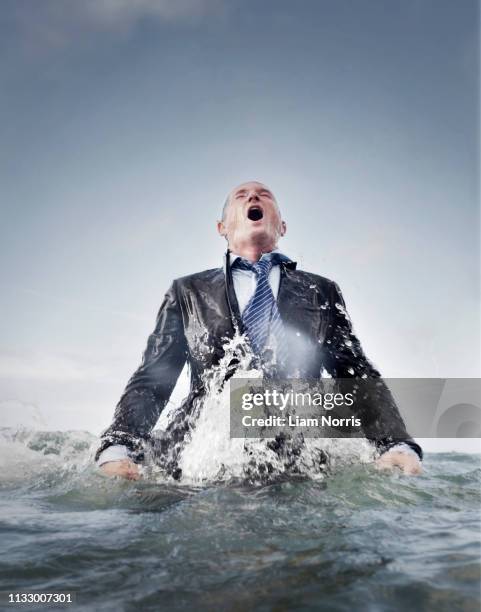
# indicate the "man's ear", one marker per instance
pixel 221 228
pixel 283 228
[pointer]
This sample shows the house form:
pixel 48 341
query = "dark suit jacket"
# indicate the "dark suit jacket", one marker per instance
pixel 200 312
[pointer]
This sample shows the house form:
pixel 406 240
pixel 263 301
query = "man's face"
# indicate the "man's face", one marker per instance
pixel 252 217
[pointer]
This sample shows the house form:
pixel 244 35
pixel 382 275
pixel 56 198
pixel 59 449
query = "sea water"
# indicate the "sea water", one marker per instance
pixel 351 538
pixel 320 529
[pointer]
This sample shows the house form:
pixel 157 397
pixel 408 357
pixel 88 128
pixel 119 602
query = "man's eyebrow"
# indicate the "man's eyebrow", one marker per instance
pixel 261 190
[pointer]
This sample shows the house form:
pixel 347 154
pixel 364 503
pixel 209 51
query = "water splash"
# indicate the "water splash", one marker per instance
pixel 194 449
pixel 34 457
pixel 208 454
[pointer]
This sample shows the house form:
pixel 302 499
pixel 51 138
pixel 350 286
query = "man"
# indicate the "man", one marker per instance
pixel 294 321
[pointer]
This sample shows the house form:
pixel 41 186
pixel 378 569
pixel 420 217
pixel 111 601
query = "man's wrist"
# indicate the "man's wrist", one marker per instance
pixel 402 447
pixel 115 452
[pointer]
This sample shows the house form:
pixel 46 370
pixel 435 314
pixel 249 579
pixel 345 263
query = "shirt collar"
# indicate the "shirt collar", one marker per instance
pixel 234 256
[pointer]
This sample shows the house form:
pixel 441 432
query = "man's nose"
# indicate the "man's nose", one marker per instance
pixel 253 197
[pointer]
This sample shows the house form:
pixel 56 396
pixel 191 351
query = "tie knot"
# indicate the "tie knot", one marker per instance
pixel 261 267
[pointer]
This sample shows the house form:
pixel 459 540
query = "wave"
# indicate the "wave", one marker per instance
pixel 63 461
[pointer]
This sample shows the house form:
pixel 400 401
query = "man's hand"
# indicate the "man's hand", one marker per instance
pixel 123 468
pixel 408 462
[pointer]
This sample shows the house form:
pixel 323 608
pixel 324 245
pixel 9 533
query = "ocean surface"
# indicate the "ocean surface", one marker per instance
pixel 351 538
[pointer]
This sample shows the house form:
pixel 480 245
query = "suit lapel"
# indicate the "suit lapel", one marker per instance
pixel 298 302
pixel 222 294
pixel 231 297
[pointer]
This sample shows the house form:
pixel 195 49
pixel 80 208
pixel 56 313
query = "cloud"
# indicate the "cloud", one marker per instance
pixel 16 413
pixel 49 24
pixel 45 366
pixel 66 302
pixel 115 13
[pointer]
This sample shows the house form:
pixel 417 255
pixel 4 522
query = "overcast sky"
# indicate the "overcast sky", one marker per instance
pixel 124 125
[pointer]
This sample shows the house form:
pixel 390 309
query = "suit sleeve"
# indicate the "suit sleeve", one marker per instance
pixel 344 358
pixel 149 389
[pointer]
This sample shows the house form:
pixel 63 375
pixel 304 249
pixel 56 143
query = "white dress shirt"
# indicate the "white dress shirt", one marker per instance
pixel 244 282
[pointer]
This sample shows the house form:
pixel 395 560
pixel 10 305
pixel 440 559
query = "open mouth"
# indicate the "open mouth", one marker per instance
pixel 255 213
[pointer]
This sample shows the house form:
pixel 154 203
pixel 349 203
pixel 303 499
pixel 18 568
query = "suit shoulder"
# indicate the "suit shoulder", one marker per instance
pixel 202 277
pixel 320 281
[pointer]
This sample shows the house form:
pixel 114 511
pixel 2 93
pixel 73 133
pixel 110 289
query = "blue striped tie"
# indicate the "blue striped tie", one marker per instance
pixel 261 317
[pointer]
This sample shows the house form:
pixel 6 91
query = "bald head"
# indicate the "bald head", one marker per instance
pixel 251 219
pixel 242 187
